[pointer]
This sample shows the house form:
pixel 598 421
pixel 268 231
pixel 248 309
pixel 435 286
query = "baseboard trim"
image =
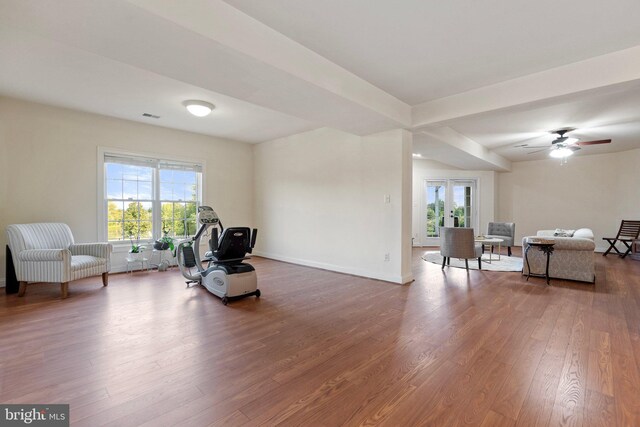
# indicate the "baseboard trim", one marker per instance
pixel 3 282
pixel 336 268
pixel 407 278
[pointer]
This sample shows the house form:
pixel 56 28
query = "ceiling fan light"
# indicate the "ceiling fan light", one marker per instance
pixel 560 153
pixel 199 108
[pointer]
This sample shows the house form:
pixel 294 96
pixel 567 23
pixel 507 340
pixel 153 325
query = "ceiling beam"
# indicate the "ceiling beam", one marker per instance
pixel 460 143
pixel 598 72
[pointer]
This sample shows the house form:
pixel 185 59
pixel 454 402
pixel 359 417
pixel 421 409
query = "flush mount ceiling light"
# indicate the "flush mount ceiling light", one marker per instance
pixel 417 155
pixel 199 108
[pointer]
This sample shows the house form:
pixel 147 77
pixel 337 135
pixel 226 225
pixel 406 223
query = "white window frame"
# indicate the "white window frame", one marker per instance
pixel 102 203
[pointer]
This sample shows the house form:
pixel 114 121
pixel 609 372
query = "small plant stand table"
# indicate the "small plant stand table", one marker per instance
pixel 134 259
pixel 547 248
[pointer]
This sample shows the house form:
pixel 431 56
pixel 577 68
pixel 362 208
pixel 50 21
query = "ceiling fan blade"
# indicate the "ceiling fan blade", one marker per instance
pixel 600 141
pixel 574 148
pixel 525 142
pixel 532 146
pixel 537 151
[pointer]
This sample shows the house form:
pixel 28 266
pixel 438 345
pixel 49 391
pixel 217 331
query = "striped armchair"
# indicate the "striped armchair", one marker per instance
pixel 46 252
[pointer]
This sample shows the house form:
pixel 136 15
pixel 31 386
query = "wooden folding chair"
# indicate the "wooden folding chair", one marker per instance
pixel 629 231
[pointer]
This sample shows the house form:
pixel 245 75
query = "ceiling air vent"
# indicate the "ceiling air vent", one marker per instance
pixel 153 116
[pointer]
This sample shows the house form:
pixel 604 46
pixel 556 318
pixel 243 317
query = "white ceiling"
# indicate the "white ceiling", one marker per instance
pixel 420 50
pixel 494 73
pixel 121 49
pixel 53 73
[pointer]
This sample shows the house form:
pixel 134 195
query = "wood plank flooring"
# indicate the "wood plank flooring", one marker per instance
pixel 320 348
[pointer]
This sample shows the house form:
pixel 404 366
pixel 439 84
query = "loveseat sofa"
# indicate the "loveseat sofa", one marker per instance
pixel 572 256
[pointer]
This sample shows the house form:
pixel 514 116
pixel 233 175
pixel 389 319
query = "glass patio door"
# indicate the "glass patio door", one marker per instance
pixel 448 203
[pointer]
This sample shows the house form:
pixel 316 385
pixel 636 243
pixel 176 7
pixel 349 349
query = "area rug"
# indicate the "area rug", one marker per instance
pixel 506 263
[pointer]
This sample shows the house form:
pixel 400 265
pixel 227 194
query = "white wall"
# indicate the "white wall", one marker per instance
pixel 424 169
pixel 48 167
pixel 595 191
pixel 4 195
pixel 320 201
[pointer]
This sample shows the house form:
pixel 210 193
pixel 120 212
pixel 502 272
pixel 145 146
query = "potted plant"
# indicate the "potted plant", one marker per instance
pixel 136 248
pixel 164 243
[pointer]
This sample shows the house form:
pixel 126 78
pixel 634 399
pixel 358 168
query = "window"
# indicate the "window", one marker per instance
pixel 447 203
pixel 178 196
pixel 147 198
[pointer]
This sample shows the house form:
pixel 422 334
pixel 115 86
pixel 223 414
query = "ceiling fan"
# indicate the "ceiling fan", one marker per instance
pixel 562 146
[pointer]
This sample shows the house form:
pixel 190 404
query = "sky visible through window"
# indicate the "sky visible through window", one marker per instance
pixel 129 182
pixel 458 194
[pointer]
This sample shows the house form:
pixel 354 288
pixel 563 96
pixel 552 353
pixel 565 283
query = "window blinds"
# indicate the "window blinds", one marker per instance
pixel 152 162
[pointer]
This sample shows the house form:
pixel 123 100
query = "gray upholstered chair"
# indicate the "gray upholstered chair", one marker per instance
pixel 458 242
pixel 46 252
pixel 502 230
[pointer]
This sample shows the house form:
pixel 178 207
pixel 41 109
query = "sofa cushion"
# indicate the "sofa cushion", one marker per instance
pixel 583 233
pixel 81 262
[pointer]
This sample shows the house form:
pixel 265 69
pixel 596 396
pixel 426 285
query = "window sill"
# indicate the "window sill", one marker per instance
pixel 121 247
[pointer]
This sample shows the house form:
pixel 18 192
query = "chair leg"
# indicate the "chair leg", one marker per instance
pixel 23 289
pixel 466 263
pixel 612 245
pixel 628 251
pixel 448 260
pixel 105 279
pixel 64 289
pixel 480 263
pixel 444 261
pixel 509 250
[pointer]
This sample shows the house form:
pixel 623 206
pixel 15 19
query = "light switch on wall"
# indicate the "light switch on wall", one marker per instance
pixel 387 198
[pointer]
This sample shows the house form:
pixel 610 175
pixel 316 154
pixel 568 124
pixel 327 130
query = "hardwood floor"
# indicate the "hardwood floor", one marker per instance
pixel 325 349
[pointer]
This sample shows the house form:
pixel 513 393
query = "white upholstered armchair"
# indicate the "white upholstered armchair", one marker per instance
pixel 46 252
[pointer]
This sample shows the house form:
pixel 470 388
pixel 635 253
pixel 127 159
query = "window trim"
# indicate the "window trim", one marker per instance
pixel 101 200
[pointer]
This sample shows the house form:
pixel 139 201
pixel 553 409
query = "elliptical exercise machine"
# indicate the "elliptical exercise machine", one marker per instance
pixel 226 276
